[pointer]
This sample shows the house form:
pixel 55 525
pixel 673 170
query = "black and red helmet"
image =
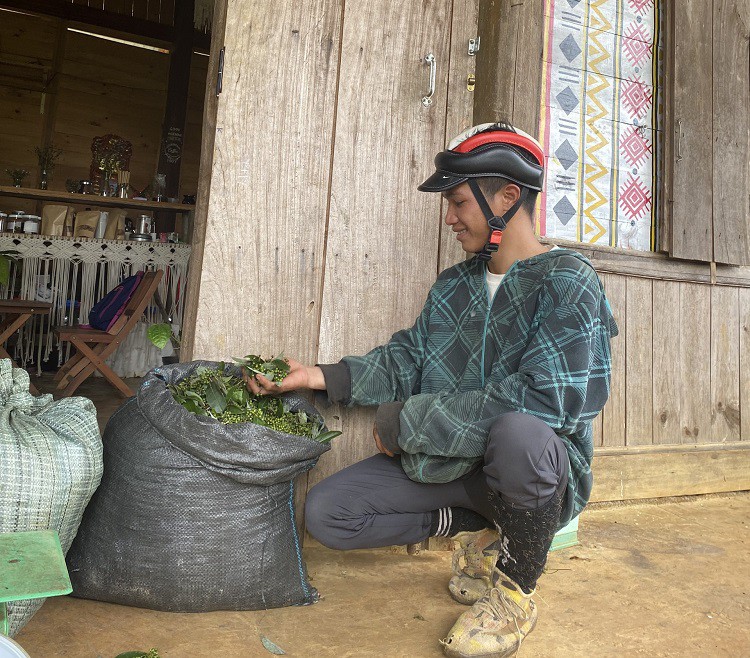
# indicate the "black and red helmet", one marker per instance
pixel 490 150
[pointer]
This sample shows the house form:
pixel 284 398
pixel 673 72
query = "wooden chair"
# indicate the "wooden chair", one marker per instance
pixel 94 346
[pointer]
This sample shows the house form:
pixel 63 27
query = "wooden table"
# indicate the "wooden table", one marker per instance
pixel 17 313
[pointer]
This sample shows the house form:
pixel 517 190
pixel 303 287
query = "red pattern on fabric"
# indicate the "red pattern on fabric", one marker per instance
pixel 635 147
pixel 637 96
pixel 635 198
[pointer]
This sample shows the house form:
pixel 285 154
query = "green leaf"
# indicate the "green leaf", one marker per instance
pixel 271 647
pixel 4 270
pixel 325 437
pixel 215 398
pixel 194 408
pixel 132 654
pixel 159 334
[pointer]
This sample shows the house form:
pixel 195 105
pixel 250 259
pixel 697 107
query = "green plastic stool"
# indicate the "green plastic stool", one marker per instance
pixel 32 566
pixel 566 537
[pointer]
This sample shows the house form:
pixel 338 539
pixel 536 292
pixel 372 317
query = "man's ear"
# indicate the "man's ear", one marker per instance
pixel 505 198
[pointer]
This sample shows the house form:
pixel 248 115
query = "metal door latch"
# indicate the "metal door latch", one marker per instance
pixel 473 46
pixel 471 81
pixel 220 73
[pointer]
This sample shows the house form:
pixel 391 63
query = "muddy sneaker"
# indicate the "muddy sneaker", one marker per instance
pixel 495 625
pixel 471 581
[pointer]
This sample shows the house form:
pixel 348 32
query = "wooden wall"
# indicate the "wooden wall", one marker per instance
pixel 678 417
pixel 93 87
pixel 311 239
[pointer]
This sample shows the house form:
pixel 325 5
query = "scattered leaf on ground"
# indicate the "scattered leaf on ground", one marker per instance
pixel 270 646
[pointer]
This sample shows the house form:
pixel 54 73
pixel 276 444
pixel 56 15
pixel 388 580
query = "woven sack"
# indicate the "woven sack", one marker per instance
pixel 50 465
pixel 192 514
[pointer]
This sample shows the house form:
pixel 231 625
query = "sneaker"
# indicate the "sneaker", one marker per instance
pixel 495 625
pixel 471 582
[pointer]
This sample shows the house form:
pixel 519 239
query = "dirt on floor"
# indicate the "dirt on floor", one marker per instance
pixel 668 579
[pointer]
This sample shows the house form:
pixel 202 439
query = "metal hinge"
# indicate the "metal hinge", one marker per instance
pixel 220 73
pixel 474 46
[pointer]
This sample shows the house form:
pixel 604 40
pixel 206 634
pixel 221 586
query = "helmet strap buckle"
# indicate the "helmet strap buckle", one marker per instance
pixel 496 224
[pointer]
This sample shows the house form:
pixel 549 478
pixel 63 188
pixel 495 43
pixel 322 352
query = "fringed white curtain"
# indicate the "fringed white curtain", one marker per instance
pixel 61 270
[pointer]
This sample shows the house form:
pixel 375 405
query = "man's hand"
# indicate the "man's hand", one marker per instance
pixel 300 376
pixel 379 443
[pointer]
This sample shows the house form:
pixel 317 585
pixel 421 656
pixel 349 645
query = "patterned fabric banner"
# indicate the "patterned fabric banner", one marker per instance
pixel 599 122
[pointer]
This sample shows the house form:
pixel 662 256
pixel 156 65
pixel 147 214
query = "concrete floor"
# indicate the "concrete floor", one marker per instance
pixel 667 579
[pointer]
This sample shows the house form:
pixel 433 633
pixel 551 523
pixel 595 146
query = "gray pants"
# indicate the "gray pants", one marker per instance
pixel 373 503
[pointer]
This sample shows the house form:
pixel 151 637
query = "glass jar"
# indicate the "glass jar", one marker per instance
pixel 15 222
pixel 31 224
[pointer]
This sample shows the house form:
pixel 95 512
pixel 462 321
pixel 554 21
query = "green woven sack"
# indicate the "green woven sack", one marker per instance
pixel 50 465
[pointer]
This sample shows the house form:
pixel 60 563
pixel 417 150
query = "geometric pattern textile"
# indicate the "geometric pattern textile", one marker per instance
pixel 74 273
pixel 600 122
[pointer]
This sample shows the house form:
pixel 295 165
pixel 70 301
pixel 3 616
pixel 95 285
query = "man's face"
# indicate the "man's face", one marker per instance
pixel 465 218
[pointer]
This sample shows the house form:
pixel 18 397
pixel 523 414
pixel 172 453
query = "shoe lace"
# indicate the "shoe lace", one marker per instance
pixel 472 556
pixel 497 603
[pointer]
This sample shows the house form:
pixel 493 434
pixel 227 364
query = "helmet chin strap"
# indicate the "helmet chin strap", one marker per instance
pixel 497 224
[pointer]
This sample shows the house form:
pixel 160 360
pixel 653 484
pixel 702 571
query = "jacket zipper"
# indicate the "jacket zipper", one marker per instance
pixel 489 309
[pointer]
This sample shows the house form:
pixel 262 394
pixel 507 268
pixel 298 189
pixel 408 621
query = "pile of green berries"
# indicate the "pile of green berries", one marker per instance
pixel 215 393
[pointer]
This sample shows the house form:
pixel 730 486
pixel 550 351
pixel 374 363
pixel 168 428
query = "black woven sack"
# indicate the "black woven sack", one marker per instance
pixel 193 515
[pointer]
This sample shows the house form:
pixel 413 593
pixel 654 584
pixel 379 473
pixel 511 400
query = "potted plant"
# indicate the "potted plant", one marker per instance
pixel 5 267
pixel 17 176
pixel 160 334
pixel 47 157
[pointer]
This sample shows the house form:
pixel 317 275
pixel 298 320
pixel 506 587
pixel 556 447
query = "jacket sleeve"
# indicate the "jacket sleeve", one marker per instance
pixel 563 379
pixel 392 371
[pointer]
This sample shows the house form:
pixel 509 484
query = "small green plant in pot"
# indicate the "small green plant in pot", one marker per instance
pixel 161 334
pixel 5 266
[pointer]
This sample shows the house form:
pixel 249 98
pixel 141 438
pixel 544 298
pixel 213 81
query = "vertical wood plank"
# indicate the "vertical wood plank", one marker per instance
pixel 152 10
pixel 667 352
pixel 460 107
pixel 167 12
pixel 597 428
pixel 725 364
pixel 744 294
pixel 381 254
pixel 263 250
pixel 509 69
pixel 695 362
pixel 613 415
pixel 27 44
pixel 208 138
pixel 692 213
pixel 140 9
pixel 116 6
pixel 731 131
pixel 639 365
pixel 666 184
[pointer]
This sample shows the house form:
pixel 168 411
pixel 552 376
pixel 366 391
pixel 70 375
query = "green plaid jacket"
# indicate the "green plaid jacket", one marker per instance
pixel 541 347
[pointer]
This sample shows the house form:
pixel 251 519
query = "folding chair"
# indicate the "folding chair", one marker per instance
pixel 94 346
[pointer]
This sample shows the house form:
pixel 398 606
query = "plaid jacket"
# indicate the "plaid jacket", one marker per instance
pixel 541 347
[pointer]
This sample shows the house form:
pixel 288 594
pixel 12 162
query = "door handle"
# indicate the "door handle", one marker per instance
pixel 430 59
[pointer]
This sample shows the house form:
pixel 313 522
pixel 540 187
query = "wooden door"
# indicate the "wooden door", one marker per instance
pixel 265 226
pixel 384 236
pixel 317 241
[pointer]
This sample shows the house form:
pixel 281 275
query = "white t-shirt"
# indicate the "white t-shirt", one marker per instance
pixel 493 283
pixel 494 280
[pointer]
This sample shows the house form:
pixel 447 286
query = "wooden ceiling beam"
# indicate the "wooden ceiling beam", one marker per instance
pixel 104 19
